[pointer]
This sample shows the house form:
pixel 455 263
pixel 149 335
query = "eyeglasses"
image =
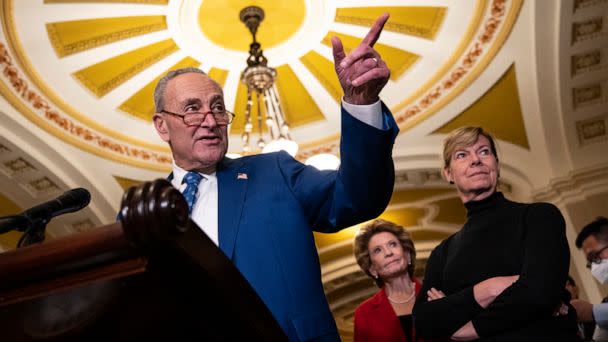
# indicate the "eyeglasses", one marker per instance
pixel 594 257
pixel 222 117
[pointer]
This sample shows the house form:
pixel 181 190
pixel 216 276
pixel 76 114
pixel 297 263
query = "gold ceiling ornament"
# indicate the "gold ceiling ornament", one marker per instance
pixel 260 79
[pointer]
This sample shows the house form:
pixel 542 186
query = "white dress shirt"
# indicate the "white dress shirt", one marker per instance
pixel 205 210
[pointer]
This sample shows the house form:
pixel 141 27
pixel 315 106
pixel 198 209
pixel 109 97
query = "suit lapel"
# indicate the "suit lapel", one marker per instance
pixel 232 178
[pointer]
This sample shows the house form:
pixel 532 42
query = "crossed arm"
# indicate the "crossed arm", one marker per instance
pixel 471 312
pixel 484 292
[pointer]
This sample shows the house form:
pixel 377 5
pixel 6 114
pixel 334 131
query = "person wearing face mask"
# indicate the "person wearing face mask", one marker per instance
pixel 501 277
pixel 593 240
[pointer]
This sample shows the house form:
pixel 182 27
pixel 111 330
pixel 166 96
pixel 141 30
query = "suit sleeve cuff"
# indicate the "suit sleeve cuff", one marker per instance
pixel 370 114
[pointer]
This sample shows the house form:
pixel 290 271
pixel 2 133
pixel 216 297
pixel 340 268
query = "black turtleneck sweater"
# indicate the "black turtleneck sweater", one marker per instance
pixel 500 238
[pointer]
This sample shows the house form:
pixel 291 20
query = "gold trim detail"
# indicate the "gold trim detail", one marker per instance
pixel 14 44
pixel 103 77
pixel 502 100
pixel 332 148
pixel 365 16
pixel 65 48
pixel 475 60
pixel 58 124
pixel 470 64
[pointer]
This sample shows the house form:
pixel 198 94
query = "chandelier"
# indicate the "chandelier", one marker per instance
pixel 259 79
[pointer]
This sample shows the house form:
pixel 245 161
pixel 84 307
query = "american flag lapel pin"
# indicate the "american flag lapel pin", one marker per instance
pixel 241 175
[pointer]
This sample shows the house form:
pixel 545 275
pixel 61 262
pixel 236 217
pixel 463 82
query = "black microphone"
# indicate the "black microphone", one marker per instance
pixel 33 221
pixel 69 201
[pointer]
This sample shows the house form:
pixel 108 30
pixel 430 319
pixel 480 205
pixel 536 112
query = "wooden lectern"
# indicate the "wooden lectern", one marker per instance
pixel 153 275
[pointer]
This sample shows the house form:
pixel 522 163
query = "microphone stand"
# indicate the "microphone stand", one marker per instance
pixel 33 235
pixel 32 222
pixel 33 231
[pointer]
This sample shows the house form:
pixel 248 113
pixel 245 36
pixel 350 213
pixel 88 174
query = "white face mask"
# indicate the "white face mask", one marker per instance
pixel 600 271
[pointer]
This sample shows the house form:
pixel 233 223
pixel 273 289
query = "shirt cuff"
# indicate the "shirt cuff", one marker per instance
pixel 370 114
pixel 600 314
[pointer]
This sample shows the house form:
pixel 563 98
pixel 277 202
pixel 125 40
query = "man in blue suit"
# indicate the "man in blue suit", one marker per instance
pixel 261 209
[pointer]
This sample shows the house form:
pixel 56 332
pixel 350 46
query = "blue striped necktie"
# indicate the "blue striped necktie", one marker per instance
pixel 191 179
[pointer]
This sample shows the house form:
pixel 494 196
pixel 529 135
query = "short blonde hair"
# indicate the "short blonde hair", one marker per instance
pixel 361 247
pixel 464 137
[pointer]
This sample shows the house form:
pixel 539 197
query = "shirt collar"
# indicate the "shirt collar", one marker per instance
pixel 179 174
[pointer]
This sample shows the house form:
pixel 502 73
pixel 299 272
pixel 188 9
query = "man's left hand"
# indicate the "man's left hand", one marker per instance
pixel 362 73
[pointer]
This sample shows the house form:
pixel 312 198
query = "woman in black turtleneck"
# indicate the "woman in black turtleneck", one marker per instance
pixel 502 276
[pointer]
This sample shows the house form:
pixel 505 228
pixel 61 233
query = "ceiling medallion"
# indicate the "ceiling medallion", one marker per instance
pixel 198 27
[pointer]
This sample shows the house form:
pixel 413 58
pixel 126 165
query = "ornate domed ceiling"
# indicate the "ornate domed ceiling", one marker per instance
pixel 78 76
pixel 95 63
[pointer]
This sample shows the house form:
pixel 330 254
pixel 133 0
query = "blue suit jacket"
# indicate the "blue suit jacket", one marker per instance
pixel 270 203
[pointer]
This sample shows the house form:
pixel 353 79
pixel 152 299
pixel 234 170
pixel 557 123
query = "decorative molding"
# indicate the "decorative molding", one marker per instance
pixel 575 186
pixel 102 89
pixel 343 281
pixel 19 165
pixel 589 61
pixel 419 177
pixel 37 105
pixel 401 178
pixel 588 29
pixel 15 47
pixel 592 130
pixel 477 48
pixel 331 148
pixel 497 23
pixel 93 42
pixel 580 4
pixel 24 173
pixel 43 185
pixel 495 29
pixel 587 95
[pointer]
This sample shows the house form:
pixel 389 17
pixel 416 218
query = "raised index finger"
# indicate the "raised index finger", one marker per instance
pixel 374 33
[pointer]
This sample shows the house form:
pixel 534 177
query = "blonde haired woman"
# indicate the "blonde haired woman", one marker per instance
pixel 501 277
